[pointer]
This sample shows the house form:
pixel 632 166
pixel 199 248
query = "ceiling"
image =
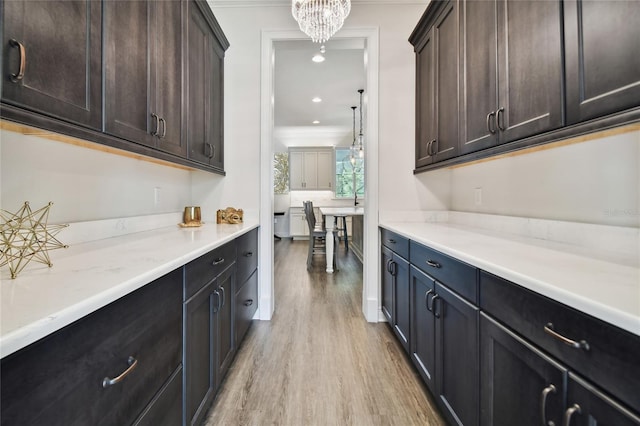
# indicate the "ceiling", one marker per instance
pixel 336 81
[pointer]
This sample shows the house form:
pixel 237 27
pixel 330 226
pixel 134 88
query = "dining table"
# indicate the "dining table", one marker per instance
pixel 330 213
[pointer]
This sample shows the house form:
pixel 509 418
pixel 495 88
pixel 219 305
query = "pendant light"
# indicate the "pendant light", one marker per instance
pixel 354 148
pixel 361 135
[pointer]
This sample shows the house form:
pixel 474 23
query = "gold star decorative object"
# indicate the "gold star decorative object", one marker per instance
pixel 25 236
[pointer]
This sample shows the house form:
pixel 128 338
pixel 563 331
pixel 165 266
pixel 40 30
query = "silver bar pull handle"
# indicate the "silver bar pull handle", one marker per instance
pixel 106 382
pixel 433 264
pixel 434 309
pixel 426 299
pixel 23 60
pixel 224 297
pixel 575 408
pixel 582 344
pixel 500 119
pixel 543 404
pixel 391 241
pixel 217 261
pixel 490 118
pixel 164 127
pixel 248 254
pixel 248 302
pixel 156 124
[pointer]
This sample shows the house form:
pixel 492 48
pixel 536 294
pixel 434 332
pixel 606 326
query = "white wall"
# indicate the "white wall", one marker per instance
pixel 399 189
pixel 85 184
pixel 596 181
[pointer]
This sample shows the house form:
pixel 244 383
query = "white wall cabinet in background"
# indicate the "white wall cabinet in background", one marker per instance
pixel 310 168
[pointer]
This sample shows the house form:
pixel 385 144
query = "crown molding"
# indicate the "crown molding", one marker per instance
pixel 287 3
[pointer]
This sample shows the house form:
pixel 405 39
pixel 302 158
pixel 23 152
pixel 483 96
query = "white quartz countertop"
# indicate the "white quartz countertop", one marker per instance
pixel 88 276
pixel 342 211
pixel 603 284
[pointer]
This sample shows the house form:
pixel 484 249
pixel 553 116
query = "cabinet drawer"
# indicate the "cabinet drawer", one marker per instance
pixel 246 306
pixel 166 407
pixel 208 266
pixel 395 242
pixel 459 276
pixel 612 357
pixel 59 379
pixel 247 261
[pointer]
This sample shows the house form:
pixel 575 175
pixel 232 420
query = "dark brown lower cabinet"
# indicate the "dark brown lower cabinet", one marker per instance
pixel 166 407
pixel 64 379
pixel 395 295
pixel 588 406
pixel 246 305
pixel 445 347
pixel 519 384
pixel 224 317
pixel 386 280
pixel 208 342
pixel 423 328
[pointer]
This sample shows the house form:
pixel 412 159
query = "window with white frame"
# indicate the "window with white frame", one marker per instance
pixel 349 174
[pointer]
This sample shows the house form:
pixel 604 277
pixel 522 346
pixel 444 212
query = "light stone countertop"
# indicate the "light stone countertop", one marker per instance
pixel 88 276
pixel 603 284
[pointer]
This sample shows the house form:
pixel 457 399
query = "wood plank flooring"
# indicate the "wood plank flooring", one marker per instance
pixel 318 362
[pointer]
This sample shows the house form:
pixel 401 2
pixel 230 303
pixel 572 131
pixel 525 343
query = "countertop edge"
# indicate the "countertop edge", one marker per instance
pixel 603 312
pixel 22 337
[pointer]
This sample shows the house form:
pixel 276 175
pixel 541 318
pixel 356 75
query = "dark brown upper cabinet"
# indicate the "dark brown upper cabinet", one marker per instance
pixel 205 115
pixel 51 59
pixel 437 87
pixel 511 74
pixel 143 72
pixel 602 64
pixel 528 73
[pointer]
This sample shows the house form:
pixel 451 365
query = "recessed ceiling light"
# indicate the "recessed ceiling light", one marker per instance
pixel 316 122
pixel 317 58
pixel 316 99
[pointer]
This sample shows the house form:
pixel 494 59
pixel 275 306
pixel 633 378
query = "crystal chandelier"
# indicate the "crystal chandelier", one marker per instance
pixel 320 19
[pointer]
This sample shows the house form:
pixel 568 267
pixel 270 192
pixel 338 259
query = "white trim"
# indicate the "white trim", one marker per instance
pixel 371 279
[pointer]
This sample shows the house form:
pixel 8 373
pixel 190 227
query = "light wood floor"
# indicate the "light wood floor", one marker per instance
pixel 318 362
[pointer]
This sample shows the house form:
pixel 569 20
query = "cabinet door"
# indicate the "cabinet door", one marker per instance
pixel 296 170
pixel 530 69
pixel 59 380
pixel 387 284
pixel 225 347
pixel 127 45
pixel 167 76
pixel 199 361
pixel 325 170
pixel 205 131
pixel 401 299
pixel 310 166
pixel 446 31
pixel 425 100
pixel 518 384
pixel 298 226
pixel 602 75
pixel 587 406
pixel 61 56
pixel 456 356
pixel 478 75
pixel 423 338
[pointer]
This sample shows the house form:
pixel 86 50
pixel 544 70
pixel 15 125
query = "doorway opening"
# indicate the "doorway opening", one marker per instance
pixel 275 135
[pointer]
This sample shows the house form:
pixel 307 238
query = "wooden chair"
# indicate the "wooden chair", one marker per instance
pixel 317 236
